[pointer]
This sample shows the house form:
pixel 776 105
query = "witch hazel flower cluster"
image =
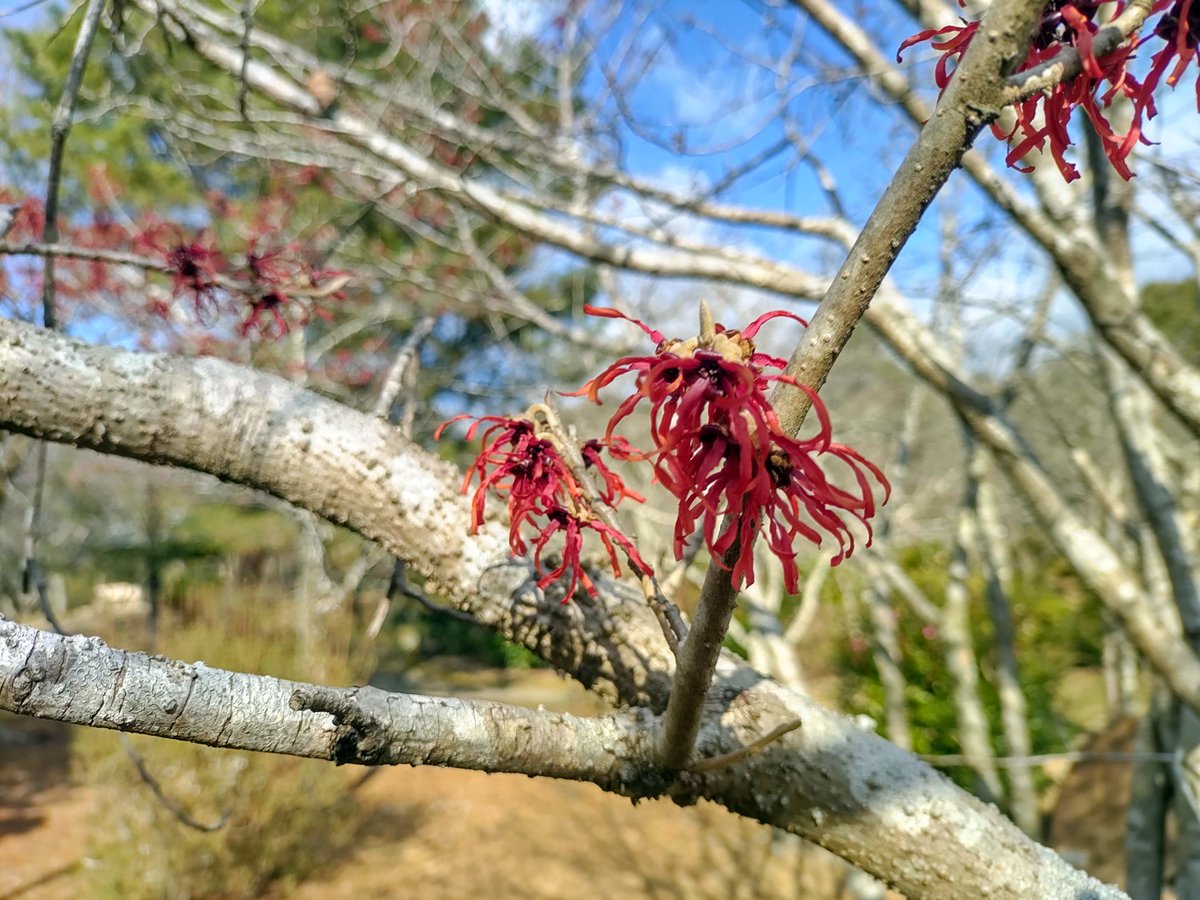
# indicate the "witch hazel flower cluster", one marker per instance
pixel 276 285
pixel 1042 121
pixel 718 449
pixel 522 459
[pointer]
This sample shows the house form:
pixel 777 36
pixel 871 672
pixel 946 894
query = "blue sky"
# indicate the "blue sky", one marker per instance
pixel 698 88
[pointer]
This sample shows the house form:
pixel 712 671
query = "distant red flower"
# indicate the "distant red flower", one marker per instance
pixel 266 315
pixel 195 264
pixel 720 451
pixel 271 267
pixel 279 280
pixel 29 221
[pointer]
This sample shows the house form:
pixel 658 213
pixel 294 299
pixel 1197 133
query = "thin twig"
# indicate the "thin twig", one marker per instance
pixel 60 128
pixel 249 7
pixel 398 585
pixel 299 289
pixel 378 618
pixel 406 357
pixel 676 577
pixel 155 788
pixel 713 763
pixel 20 8
pixel 33 578
pixel 398 375
pixel 93 254
pixel 670 620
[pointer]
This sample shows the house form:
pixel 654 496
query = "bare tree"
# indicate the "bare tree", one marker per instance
pixel 691 721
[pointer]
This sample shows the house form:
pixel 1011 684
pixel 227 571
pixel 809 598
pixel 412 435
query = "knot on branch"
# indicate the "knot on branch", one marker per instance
pixel 359 737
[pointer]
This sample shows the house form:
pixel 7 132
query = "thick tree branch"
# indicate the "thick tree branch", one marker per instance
pixel 85 682
pixel 973 99
pixel 969 104
pixel 829 781
pixel 697 662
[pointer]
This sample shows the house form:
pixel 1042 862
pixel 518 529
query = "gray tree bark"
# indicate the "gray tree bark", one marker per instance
pixel 1150 798
pixel 1014 719
pixel 830 781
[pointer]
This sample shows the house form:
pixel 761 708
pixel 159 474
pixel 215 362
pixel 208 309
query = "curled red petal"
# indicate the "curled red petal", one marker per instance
pixel 607 312
pixel 752 329
pixel 922 36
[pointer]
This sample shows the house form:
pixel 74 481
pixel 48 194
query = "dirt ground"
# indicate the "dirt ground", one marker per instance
pixel 42 815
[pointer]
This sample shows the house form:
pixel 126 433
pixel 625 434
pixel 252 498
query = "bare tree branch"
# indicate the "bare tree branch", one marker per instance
pixel 85 682
pixel 60 128
pixel 847 789
pixel 1067 236
pixel 969 103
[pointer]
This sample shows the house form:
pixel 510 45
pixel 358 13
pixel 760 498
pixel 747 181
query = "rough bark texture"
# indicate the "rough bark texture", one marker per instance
pixel 80 680
pixel 1149 799
pixel 830 781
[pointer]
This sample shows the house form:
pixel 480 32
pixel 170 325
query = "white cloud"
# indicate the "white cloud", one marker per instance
pixel 513 21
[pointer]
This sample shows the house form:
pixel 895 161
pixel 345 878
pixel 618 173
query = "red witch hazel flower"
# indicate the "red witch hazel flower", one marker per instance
pixel 1043 119
pixel 612 486
pixel 1180 28
pixel 720 450
pixel 195 265
pixel 521 459
pixel 279 281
